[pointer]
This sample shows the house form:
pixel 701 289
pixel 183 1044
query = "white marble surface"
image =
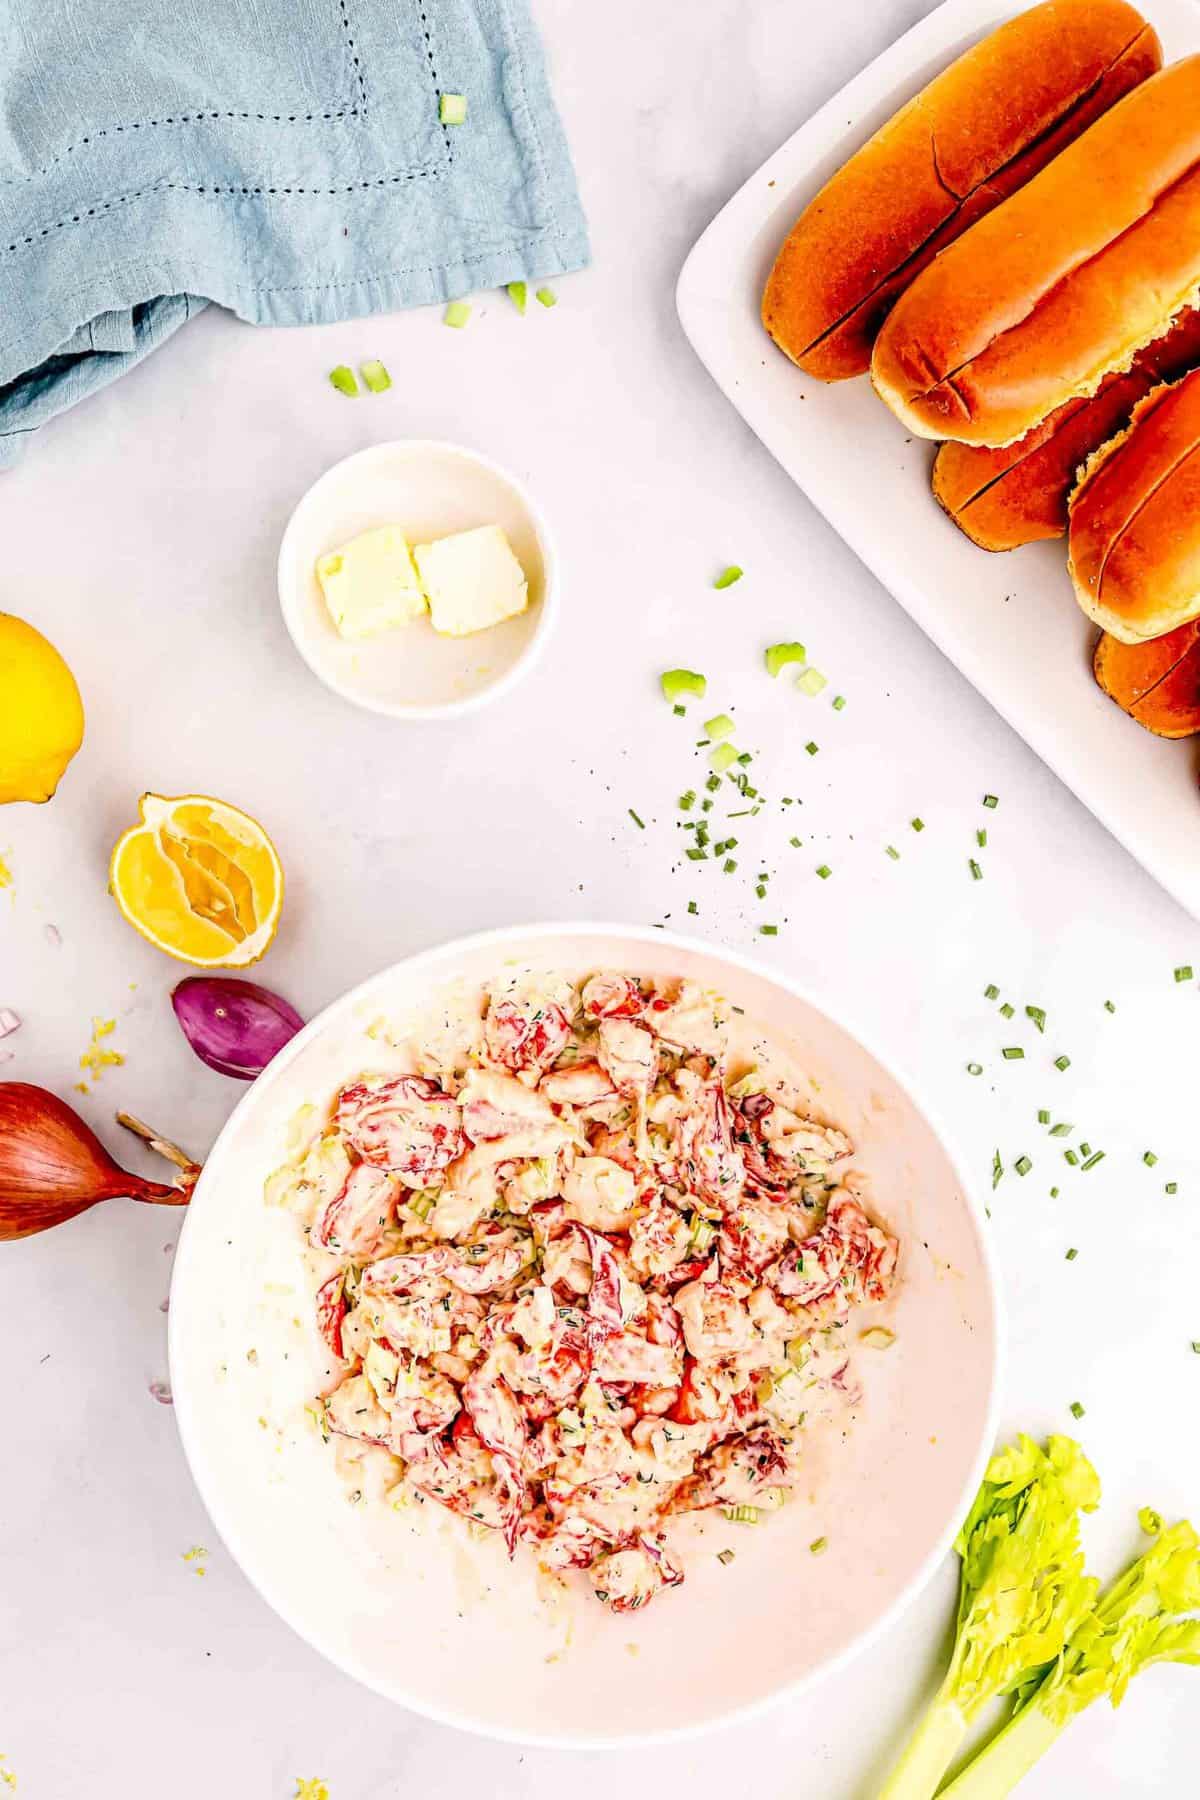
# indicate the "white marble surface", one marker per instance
pixel 141 534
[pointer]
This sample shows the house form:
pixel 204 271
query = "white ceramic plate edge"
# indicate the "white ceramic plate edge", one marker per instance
pixel 502 940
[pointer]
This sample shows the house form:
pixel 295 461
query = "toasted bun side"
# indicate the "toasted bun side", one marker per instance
pixel 1007 497
pixel 1134 549
pixel 1103 453
pixel 1062 284
pixel 1156 683
pixel 975 133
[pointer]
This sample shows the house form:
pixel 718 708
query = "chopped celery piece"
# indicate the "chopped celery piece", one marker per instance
pixel 518 292
pixel 778 656
pixel 719 727
pixel 728 576
pixel 456 314
pixel 811 682
pixel 546 297
pixel 677 682
pixel 375 376
pixel 343 380
pixel 722 757
pixel 452 109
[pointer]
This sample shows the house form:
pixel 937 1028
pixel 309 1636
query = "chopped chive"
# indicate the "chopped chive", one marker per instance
pixel 796 843
pixel 720 726
pixel 1043 1116
pixel 725 1556
pixel 1109 1007
pixel 811 682
pixel 728 576
pixel 676 682
pixel 1054 1193
pixel 991 991
pixel 1062 1062
pixel 452 109
pixel 839 702
pixel 1149 1158
pixel 1023 1165
pixel 640 823
pixel 518 293
pixel 680 712
pixel 375 376
pixel 812 748
pixel 343 380
pixel 687 800
pixel 991 801
pixel 778 656
pixel 745 757
pixel 1172 1187
pixel 695 855
pixel 1196 1346
pixel 976 871
pixel 1070 1156
pixel 997 1170
pixel 974 1068
pixel 1077 1410
pixel 1062 1129
pixel 824 871
pixel 1184 972
pixel 761 891
pixel 456 314
pixel 712 784
pixel 1013 1053
pixel 892 851
pixel 729 865
pixel 1093 1159
pixel 768 930
pixel 1072 1253
pixel 1007 1010
pixel 917 824
pixel 693 908
pixel 546 296
pixel 818 1545
pixel 981 839
pixel 1037 1015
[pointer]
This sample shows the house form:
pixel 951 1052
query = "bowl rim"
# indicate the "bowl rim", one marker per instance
pixel 547 611
pixel 502 939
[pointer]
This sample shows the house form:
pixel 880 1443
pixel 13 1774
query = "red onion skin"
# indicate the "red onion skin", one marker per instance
pixel 235 1027
pixel 53 1166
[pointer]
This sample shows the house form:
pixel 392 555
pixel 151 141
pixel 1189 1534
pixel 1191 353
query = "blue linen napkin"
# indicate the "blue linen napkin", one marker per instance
pixel 283 158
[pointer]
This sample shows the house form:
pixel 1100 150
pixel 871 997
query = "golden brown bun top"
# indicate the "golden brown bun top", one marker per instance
pixel 991 280
pixel 982 113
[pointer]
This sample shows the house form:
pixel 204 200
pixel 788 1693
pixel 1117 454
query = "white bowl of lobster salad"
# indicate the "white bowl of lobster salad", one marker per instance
pixel 580 1336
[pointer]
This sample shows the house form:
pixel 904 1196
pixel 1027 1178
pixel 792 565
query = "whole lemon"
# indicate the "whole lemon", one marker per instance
pixel 41 713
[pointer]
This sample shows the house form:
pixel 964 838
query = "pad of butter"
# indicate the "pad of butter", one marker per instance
pixel 370 584
pixel 473 580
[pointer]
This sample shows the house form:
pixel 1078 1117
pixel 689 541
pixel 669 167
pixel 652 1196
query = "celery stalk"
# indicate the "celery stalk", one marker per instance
pixel 1134 1623
pixel 1022 1594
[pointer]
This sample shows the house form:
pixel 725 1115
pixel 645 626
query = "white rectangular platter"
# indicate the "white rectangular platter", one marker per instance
pixel 1008 621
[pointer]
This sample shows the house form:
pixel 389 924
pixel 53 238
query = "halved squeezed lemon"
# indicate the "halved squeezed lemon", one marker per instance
pixel 199 879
